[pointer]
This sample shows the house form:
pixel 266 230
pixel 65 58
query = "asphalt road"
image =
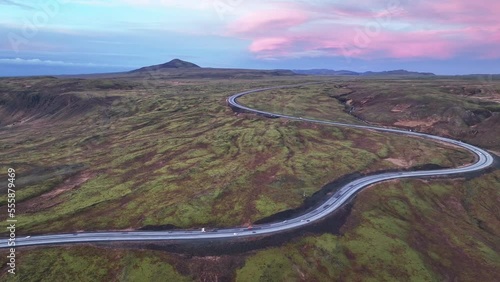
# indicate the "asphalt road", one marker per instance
pixel 483 161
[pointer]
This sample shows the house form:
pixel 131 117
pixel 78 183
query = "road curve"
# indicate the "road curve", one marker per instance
pixel 483 161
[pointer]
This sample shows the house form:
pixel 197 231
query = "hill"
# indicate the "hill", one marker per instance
pixel 173 64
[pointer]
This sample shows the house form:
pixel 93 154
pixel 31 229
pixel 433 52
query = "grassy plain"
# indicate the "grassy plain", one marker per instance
pixel 100 155
pixel 111 154
pixel 440 230
pixel 93 264
pixel 466 108
pixel 402 231
pixel 308 101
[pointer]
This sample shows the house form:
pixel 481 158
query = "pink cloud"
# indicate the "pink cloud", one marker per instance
pixel 270 44
pixel 415 45
pixel 461 12
pixel 422 29
pixel 264 21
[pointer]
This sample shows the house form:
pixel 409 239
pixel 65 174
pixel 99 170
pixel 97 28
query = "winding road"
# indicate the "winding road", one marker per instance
pixel 483 161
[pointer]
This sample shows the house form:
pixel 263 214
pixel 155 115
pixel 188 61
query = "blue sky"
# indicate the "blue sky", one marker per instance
pixel 93 36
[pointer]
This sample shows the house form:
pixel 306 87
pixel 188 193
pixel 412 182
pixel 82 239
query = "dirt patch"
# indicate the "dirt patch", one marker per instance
pixel 210 268
pixel 48 200
pixel 494 98
pixel 400 108
pixel 399 162
pixel 69 184
pixel 416 123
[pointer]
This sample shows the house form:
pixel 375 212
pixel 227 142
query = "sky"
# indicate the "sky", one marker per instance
pixel 39 37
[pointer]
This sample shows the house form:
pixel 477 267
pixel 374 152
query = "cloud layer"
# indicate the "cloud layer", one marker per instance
pixel 19 61
pixel 446 36
pixel 375 29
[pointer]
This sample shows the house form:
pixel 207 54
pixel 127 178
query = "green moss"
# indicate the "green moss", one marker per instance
pixel 267 266
pixel 266 206
pixel 149 269
pixel 152 153
pixel 92 264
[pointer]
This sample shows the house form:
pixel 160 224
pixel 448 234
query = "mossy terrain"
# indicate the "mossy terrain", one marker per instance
pixel 402 231
pixel 112 154
pixel 126 156
pixel 466 108
pixel 92 264
pixel 410 230
pixel 308 101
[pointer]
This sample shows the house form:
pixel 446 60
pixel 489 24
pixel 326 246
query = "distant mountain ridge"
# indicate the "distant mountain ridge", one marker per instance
pixel 177 64
pixel 368 73
pixel 398 72
pixel 177 69
pixel 325 72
